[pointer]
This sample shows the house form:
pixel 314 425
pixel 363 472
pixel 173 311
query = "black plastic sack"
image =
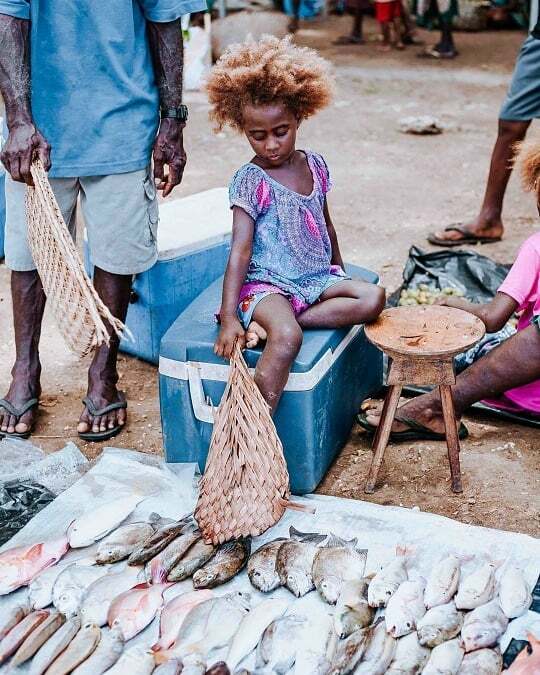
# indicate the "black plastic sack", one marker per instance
pixel 19 503
pixel 475 275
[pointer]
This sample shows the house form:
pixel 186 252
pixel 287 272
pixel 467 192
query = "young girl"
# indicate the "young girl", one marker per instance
pixel 285 270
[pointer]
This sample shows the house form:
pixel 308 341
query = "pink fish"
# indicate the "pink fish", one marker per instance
pixel 18 566
pixel 135 609
pixel 20 632
pixel 525 663
pixel 173 615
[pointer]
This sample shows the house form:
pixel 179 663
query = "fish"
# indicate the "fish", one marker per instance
pixel 294 562
pixel 135 661
pixel 41 587
pixel 261 566
pixel 477 588
pixel 71 584
pixel 482 662
pixel 440 623
pixel 173 615
pixel 99 595
pixel 350 651
pixel 386 582
pixel 336 563
pixel 54 646
pixel 316 644
pixel 405 608
pixel 525 663
pixel 442 582
pixel 483 626
pixel 157 570
pixel 277 648
pixel 251 629
pixel 379 652
pixel 18 566
pixel 193 664
pixel 409 658
pixel 514 592
pixel 228 560
pixel 172 667
pixel 198 555
pixel 17 635
pixel 38 637
pixel 97 523
pixel 78 650
pixel 105 655
pixel 135 609
pixel 157 541
pixel 121 543
pixel 445 659
pixel 219 668
pixel 352 608
pixel 11 617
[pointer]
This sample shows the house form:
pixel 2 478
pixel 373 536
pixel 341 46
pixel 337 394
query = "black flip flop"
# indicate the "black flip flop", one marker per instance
pixel 348 40
pixel 18 413
pixel 466 239
pixel 415 432
pixel 97 436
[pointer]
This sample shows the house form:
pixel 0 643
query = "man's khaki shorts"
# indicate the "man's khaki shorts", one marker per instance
pixel 120 213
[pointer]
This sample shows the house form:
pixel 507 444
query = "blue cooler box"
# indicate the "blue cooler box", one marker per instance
pixel 193 244
pixel 333 373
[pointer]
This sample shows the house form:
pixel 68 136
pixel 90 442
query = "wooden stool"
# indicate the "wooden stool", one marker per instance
pixel 421 343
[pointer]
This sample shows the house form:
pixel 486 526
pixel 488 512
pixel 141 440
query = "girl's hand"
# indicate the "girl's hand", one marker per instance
pixel 457 303
pixel 231 330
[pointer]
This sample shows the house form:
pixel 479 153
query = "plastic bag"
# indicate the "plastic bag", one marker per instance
pixel 19 503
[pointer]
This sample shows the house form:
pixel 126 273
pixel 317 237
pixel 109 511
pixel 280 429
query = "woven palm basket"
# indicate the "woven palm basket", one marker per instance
pixel 245 486
pixel 79 312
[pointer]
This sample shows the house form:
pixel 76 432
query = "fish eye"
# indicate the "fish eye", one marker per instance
pixel 389 593
pixel 408 624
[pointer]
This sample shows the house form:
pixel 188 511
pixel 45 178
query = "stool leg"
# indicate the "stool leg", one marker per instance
pixel 452 438
pixel 383 434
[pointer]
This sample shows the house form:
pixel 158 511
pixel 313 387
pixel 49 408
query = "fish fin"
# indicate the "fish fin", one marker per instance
pixel 163 656
pixel 153 519
pixel 311 537
pixel 34 552
pixel 334 541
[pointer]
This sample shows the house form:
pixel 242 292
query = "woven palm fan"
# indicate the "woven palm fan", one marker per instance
pixel 245 487
pixel 79 312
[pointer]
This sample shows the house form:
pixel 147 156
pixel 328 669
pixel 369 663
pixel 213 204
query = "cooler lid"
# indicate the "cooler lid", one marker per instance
pixel 192 223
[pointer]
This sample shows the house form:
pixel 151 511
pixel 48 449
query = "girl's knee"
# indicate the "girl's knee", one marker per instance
pixel 373 303
pixel 286 340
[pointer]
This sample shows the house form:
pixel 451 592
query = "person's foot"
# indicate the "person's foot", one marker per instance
pixel 345 40
pixel 102 393
pixel 294 24
pixel 438 53
pixel 421 409
pixel 411 39
pixel 384 47
pixel 400 45
pixel 255 334
pixel 24 387
pixel 480 228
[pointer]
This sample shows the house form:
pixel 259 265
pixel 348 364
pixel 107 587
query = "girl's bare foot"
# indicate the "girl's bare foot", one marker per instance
pixel 255 334
pixel 384 47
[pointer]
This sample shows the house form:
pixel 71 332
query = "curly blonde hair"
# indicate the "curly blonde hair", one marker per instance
pixel 528 162
pixel 264 72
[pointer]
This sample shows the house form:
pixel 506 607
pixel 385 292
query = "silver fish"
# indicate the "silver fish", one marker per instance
pixel 121 543
pixel 197 556
pixel 316 648
pixel 193 664
pixel 71 584
pixel 439 624
pixel 442 582
pixel 514 592
pixel 409 658
pixel 78 650
pixel 54 646
pixel 261 566
pixel 99 595
pixel 352 608
pixel 350 651
pixel 251 629
pixel 379 652
pixel 38 637
pixel 157 570
pixel 482 662
pixel 277 649
pixel 445 659
pixel 228 560
pixel 338 562
pixel 161 538
pixel 219 668
pixel 11 617
pixel 18 634
pixel 478 588
pixel 41 588
pixel 405 608
pixel 106 654
pixel 294 562
pixel 99 522
pixel 135 661
pixel 483 626
pixel 386 582
pixel 172 667
pixel 173 615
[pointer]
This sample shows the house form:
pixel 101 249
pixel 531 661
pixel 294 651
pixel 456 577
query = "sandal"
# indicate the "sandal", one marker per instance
pixel 436 54
pixel 466 238
pixel 415 432
pixel 18 413
pixel 345 40
pixel 97 436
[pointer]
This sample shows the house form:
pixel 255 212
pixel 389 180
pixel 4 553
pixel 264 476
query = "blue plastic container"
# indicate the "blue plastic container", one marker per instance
pixel 334 372
pixel 193 244
pixel 2 210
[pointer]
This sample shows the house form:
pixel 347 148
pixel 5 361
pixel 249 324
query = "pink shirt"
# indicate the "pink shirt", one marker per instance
pixel 523 285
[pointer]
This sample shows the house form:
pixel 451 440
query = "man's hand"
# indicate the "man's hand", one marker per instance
pixel 23 143
pixel 457 303
pixel 169 150
pixel 231 331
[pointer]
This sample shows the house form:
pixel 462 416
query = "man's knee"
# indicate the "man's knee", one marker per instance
pixel 513 130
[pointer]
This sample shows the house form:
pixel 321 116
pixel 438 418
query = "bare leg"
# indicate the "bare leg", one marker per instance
pixel 114 290
pixel 295 20
pixel 357 36
pixel 284 339
pixel 385 46
pixel 28 305
pixel 488 223
pixel 398 41
pixel 446 44
pixel 514 363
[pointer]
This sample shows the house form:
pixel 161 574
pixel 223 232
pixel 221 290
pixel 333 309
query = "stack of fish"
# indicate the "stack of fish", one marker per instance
pixel 79 614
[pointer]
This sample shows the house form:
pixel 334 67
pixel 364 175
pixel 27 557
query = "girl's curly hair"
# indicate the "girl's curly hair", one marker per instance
pixel 528 161
pixel 264 72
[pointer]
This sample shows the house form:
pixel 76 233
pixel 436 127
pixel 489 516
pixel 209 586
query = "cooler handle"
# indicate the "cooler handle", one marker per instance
pixel 202 406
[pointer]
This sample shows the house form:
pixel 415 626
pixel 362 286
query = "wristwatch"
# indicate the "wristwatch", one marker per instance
pixel 180 113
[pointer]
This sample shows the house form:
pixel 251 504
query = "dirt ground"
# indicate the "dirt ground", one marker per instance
pixel 391 189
